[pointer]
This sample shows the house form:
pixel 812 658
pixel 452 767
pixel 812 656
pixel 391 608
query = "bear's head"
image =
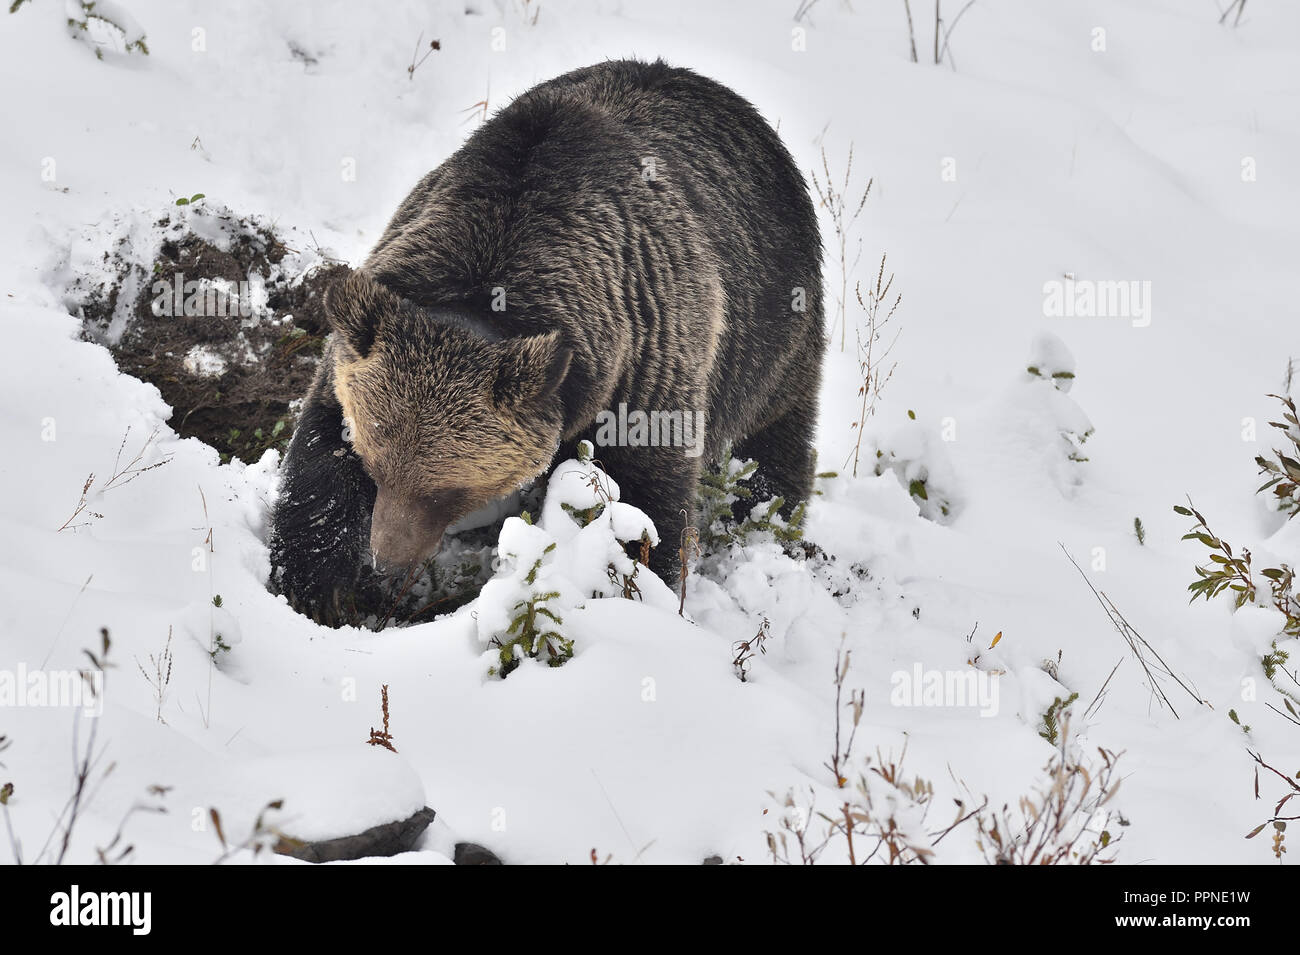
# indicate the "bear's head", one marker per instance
pixel 445 414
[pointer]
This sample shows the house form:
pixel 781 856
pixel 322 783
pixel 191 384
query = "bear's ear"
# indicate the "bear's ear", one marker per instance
pixel 354 306
pixel 530 370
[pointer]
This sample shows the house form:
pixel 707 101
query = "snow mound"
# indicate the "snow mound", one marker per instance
pixel 329 792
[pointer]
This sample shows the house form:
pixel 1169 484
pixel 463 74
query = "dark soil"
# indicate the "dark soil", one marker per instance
pixel 269 359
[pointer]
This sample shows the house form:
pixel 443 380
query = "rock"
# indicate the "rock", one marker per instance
pixel 387 839
pixel 471 853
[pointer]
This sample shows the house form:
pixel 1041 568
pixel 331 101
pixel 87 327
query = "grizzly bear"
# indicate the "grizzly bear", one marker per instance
pixel 627 236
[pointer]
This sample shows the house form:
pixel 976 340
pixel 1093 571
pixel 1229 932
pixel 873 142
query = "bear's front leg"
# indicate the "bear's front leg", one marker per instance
pixel 321 525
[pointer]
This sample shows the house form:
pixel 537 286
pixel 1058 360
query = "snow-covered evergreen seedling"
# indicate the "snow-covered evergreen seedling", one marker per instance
pixel 533 631
pixel 1051 360
pixel 575 552
pixel 922 465
pixel 1051 730
pixel 1051 363
pixel 101 23
pixel 721 488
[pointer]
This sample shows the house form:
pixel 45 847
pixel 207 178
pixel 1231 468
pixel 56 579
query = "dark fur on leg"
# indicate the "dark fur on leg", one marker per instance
pixel 785 457
pixel 322 517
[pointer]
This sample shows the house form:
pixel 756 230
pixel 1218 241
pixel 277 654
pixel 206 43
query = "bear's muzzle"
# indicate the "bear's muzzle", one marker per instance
pixel 403 533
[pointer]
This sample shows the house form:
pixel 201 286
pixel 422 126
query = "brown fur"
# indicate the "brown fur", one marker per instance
pixel 443 419
pixel 540 277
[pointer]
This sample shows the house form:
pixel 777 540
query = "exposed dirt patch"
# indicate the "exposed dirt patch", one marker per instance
pixel 226 319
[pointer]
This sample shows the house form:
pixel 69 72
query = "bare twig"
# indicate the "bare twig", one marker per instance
pixel 122 475
pixel 1100 698
pixel 434 45
pixel 125 474
pixel 81 507
pixel 1138 645
pixel 805 8
pixel 383 738
pixel 911 31
pixel 1054 825
pixel 1239 6
pixel 83 761
pixel 857 700
pixel 838 206
pixel 479 109
pixel 690 547
pixel 746 650
pixel 162 673
pixel 872 368
pixel 947 33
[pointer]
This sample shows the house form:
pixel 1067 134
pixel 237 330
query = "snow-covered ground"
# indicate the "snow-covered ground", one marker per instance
pixel 1161 150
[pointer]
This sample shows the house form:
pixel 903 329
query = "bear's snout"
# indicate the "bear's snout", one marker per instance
pixel 403 534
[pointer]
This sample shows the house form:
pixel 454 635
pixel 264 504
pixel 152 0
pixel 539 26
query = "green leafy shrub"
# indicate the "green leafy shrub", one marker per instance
pixel 1226 571
pixel 1233 572
pixel 1284 471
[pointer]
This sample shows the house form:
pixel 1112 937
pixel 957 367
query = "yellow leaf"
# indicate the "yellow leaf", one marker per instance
pixel 995 640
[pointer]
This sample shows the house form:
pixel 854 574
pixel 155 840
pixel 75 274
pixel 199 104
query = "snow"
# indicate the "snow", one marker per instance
pixel 1165 158
pixel 336 791
pixel 201 360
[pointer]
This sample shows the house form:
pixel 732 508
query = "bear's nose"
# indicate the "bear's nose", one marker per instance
pixel 402 535
pixel 392 556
